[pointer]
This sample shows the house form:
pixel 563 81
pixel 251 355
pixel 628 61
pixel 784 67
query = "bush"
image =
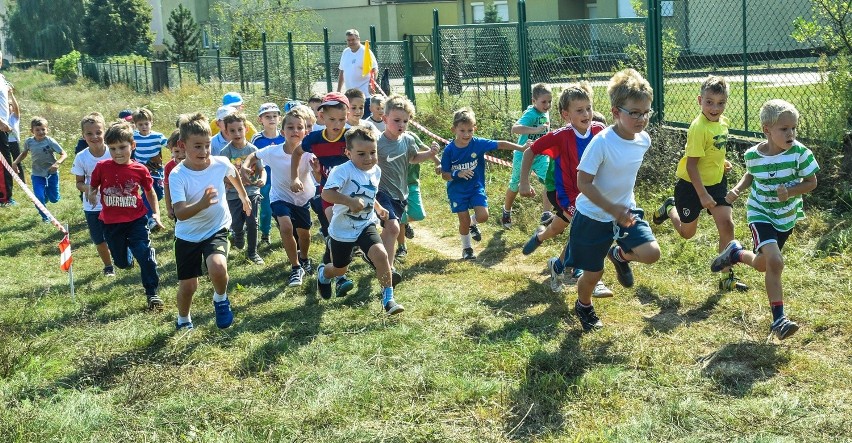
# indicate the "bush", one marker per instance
pixel 65 67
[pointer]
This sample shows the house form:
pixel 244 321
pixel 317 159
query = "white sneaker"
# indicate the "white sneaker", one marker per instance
pixel 555 278
pixel 601 291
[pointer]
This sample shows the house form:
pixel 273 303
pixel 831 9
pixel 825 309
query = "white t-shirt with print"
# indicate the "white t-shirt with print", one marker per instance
pixel 186 185
pixel 279 163
pixel 84 164
pixel 353 182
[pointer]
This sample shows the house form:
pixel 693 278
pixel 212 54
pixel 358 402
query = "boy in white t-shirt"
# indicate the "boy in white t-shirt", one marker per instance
pixel 197 187
pixel 606 208
pixel 92 127
pixel 351 187
pixel 291 209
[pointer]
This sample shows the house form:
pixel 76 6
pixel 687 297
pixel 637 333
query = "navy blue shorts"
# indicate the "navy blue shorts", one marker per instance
pixel 462 203
pixel 96 227
pixel 764 233
pixel 590 239
pixel 300 216
pixel 395 208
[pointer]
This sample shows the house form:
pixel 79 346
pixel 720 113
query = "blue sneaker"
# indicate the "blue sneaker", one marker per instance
pixel 342 286
pixel 532 244
pixel 224 314
pixel 187 325
pixel 783 328
pixel 726 258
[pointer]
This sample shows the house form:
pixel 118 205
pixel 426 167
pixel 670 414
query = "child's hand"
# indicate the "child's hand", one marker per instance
pixel 156 217
pixel 623 216
pixel 296 185
pixel 732 196
pixel 728 166
pixel 526 190
pixel 783 195
pixel 466 174
pixel 92 196
pixel 53 168
pixel 707 201
pixel 356 205
pixel 211 197
pixel 246 205
pixel 382 213
pixel 438 169
pixel 433 150
pixel 315 165
pixel 171 213
pixel 544 128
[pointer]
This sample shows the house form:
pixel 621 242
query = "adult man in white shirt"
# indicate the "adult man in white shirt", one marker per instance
pixel 352 68
pixel 5 128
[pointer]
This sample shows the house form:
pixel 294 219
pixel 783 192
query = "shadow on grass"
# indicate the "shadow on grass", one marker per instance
pixel 736 367
pixel 543 324
pixel 495 251
pixel 669 317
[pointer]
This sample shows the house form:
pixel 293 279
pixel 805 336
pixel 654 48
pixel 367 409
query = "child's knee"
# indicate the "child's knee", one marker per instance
pixel 648 253
pixel 774 262
pixel 377 253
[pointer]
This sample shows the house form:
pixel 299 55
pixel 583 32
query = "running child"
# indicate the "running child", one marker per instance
pixel 534 123
pixel 197 185
pixel 377 111
pixel 92 127
pixel 116 184
pixel 606 208
pixel 351 188
pixel 149 152
pixel 269 116
pixel 45 165
pixel 356 110
pixel 702 183
pixel 778 172
pixel 221 139
pixel 414 210
pixel 463 167
pixel 178 155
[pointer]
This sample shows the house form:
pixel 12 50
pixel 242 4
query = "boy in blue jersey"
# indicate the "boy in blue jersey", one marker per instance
pixel 269 116
pixel 149 152
pixel 463 167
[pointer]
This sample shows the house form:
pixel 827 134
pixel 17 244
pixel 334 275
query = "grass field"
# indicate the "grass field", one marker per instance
pixel 484 353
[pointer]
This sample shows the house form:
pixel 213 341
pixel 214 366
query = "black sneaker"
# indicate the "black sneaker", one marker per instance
pixel 155 303
pixel 238 242
pixel 506 219
pixel 783 328
pixel 662 213
pixel 296 276
pixel 255 258
pixel 396 278
pixel 401 252
pixel 109 271
pixel 622 269
pixel 588 319
pixel 264 240
pixel 324 289
pixel 467 254
pixel 546 218
pixel 409 231
pixel 475 234
pixel 342 286
pixel 392 307
pixel 307 265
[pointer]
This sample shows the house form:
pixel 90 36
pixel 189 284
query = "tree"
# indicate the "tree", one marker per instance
pixel 246 20
pixel 186 35
pixel 117 27
pixel 44 28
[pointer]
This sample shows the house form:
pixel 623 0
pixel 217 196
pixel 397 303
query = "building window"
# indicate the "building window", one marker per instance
pixel 477 10
pixel 625 9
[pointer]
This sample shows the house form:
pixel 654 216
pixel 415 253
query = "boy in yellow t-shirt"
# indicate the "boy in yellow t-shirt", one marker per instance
pixel 702 183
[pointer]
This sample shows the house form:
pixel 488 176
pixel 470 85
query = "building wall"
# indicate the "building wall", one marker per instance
pixel 416 18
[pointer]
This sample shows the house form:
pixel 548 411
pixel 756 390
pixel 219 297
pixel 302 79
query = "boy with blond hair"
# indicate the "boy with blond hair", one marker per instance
pixel 149 152
pixel 44 175
pixel 778 172
pixel 606 208
pixel 117 183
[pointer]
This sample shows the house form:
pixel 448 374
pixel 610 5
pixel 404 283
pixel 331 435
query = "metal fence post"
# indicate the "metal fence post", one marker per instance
pixel 327 55
pixel 265 65
pixel 126 73
pixel 180 75
pixel 292 56
pixel 219 65
pixel 409 69
pixel 436 55
pixel 373 44
pixel 241 66
pixel 147 88
pixel 654 57
pixel 523 56
pixel 198 67
pixel 135 77
pixel 745 70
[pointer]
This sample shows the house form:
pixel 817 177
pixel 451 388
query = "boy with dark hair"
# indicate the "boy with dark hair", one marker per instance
pixel 118 182
pixel 269 116
pixel 149 152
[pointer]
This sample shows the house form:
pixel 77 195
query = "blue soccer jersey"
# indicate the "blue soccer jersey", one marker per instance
pixel 470 157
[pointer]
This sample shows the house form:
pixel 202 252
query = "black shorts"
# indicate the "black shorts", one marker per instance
pixel 688 204
pixel 395 208
pixel 561 213
pixel 300 216
pixel 764 233
pixel 189 255
pixel 341 251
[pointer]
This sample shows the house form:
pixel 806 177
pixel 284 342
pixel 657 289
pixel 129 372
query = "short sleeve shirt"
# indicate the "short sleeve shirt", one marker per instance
pixel 353 182
pixel 532 117
pixel 148 146
pixel 83 166
pixel 43 153
pixel 352 65
pixel 187 185
pixel 120 186
pixel 708 141
pixel 472 157
pixel 330 153
pixel 236 156
pixel 394 160
pixel 279 163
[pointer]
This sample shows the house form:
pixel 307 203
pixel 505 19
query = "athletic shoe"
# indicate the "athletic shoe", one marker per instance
pixel 296 276
pixel 475 234
pixel 783 328
pixel 409 231
pixel 307 265
pixel 727 257
pixel 546 217
pixel 588 319
pixel 555 277
pixel 401 252
pixel 186 325
pixel 342 286
pixel 731 282
pixel 571 279
pixel 533 243
pixel 238 242
pixel 324 289
pixel 224 314
pixel 506 219
pixel 467 254
pixel 662 213
pixel 256 259
pixel 622 268
pixel 392 307
pixel 396 278
pixel 109 271
pixel 264 240
pixel 601 291
pixel 155 303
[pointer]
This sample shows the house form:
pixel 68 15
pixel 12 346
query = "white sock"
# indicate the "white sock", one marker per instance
pixel 465 241
pixel 217 298
pixel 187 319
pixel 473 220
pixel 507 210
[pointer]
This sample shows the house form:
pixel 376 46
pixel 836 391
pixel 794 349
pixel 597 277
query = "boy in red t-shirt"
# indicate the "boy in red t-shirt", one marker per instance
pixel 117 182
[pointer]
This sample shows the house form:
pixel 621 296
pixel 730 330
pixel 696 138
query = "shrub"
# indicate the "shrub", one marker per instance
pixel 65 67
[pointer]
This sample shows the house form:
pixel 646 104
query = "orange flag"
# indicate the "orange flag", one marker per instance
pixel 65 254
pixel 368 60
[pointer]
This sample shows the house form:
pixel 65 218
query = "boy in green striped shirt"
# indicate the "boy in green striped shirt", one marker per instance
pixel 778 172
